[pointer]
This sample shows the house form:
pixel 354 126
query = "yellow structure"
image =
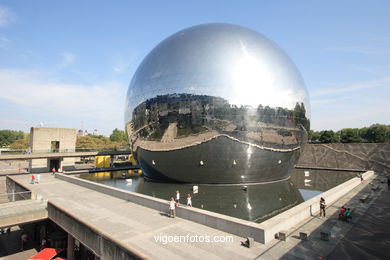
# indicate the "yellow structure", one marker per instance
pixel 132 160
pixel 102 161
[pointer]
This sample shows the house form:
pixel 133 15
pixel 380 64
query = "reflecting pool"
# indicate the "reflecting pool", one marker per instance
pixel 254 202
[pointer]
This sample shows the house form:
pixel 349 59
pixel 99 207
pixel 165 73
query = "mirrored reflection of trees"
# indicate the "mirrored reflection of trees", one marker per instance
pixel 194 114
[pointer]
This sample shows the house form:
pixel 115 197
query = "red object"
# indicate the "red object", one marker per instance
pixel 46 254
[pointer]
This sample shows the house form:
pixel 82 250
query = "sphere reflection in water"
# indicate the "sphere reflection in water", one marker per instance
pixel 217 103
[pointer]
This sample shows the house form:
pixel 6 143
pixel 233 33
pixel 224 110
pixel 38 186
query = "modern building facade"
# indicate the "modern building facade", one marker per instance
pixel 52 140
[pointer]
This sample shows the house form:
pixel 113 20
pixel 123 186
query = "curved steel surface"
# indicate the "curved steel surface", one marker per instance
pixel 217 84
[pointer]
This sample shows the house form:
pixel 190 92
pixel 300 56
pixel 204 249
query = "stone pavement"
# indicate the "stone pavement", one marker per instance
pixel 369 238
pixel 139 227
pixel 348 239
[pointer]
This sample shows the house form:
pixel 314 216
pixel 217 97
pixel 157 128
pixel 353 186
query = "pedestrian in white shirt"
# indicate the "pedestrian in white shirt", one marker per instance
pixel 172 207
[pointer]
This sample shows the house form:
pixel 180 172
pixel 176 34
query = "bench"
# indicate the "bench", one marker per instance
pixel 303 236
pixel 375 187
pixel 364 197
pixel 325 235
pixel 249 242
pixel 282 235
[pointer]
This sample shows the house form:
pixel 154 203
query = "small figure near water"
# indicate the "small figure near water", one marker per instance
pixel 177 198
pixel 189 201
pixel 322 207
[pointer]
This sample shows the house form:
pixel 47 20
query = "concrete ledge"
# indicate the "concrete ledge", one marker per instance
pixel 299 213
pixel 38 215
pixel 221 222
pixel 263 232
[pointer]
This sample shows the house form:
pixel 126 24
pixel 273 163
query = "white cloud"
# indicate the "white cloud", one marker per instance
pixel 357 86
pixel 3 41
pixel 45 97
pixel 6 16
pixel 68 59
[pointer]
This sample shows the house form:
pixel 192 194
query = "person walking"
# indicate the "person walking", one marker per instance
pixel 53 170
pixel 189 201
pixel 32 179
pixel 322 207
pixel 172 206
pixel 38 178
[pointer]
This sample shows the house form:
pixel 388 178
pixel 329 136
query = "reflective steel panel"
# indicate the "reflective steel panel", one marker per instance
pixel 217 103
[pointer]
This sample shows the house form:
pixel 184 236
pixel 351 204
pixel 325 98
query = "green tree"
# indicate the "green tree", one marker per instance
pixel 314 135
pixel 377 133
pixel 7 137
pixel 21 143
pixel 350 135
pixel 328 136
pixel 118 136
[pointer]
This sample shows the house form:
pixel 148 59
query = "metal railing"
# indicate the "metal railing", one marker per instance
pixel 76 150
pixel 16 196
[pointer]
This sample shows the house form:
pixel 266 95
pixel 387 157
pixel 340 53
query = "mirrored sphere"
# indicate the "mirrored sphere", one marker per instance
pixel 217 103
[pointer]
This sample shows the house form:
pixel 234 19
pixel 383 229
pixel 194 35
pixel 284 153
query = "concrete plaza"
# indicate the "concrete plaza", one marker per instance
pixel 138 227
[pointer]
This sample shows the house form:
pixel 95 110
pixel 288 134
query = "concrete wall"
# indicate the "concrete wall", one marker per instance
pixel 102 244
pixel 370 156
pixel 40 142
pixel 13 187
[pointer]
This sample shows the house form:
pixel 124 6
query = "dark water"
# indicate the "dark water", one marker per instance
pixel 255 202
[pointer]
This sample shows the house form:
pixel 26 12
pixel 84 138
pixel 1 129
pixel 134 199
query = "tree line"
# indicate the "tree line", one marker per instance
pixel 18 140
pixel 376 133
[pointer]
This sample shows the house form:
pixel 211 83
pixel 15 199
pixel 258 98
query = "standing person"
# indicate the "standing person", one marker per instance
pixel 53 170
pixel 322 207
pixel 32 179
pixel 189 201
pixel 177 198
pixel 43 244
pixel 172 206
pixel 38 178
pixel 24 239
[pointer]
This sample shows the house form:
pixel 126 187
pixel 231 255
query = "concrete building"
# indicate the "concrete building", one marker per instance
pixel 52 140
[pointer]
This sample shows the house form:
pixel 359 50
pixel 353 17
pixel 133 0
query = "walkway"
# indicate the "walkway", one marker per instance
pixel 366 237
pixel 138 227
pixel 369 238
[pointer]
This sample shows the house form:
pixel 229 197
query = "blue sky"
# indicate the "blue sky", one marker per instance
pixel 69 63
